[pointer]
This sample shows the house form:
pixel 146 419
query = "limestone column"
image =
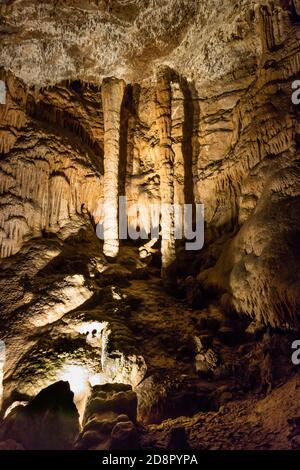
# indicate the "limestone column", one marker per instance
pixel 112 96
pixel 166 168
pixel 2 364
pixel 177 145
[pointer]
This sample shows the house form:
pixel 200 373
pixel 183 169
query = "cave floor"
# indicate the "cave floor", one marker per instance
pixel 242 395
pixel 260 423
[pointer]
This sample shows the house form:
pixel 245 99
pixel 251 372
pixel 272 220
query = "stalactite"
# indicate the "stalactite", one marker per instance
pixel 166 168
pixel 272 26
pixel 112 96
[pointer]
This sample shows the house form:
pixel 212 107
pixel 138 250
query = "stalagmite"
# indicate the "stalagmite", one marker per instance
pixel 112 96
pixel 166 168
pixel 2 363
pixel 177 140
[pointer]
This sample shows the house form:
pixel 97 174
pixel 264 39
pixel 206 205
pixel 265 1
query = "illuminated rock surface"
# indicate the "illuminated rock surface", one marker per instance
pixel 110 417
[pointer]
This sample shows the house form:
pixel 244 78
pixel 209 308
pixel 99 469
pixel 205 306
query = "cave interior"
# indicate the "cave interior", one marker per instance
pixel 137 342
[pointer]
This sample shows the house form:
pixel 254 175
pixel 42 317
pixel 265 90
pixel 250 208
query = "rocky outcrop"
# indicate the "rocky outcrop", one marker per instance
pixel 109 420
pixel 70 327
pixel 49 421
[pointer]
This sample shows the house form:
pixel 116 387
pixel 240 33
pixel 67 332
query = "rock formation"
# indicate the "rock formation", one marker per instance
pixel 51 417
pixel 112 97
pixel 109 421
pixel 167 103
pixel 166 166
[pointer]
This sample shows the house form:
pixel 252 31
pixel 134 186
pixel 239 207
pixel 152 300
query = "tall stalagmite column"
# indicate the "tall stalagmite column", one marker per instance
pixel 166 170
pixel 112 96
pixel 177 142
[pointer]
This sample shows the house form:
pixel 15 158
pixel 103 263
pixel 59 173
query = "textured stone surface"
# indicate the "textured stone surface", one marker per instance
pixel 109 420
pixel 46 180
pixel 228 137
pixel 112 98
pixel 94 39
pixel 162 101
pixel 49 421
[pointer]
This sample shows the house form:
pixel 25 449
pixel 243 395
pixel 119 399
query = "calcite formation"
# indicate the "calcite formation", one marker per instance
pixel 112 98
pixel 166 165
pixel 44 183
pixel 165 103
pixel 110 418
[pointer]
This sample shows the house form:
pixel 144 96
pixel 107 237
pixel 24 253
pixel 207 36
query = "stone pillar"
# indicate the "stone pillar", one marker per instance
pixel 166 168
pixel 177 142
pixel 112 96
pixel 2 364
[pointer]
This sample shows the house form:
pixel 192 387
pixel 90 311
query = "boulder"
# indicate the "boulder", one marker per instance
pixel 50 421
pixel 109 419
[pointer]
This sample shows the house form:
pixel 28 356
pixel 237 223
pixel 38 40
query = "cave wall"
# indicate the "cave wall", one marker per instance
pixel 51 160
pixel 257 183
pixel 228 133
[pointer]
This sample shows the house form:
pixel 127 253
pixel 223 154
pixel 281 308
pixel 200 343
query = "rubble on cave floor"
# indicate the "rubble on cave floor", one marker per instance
pixel 188 366
pixel 253 423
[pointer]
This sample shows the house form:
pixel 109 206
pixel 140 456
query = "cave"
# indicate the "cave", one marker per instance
pixel 149 225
